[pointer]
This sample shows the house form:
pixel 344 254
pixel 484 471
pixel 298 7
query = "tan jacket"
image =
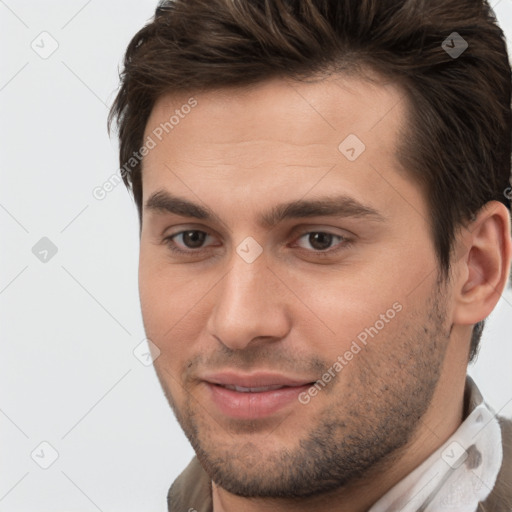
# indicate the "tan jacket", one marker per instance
pixel 191 491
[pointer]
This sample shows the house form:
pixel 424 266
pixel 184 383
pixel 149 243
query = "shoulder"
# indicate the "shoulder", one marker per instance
pixel 500 499
pixel 191 491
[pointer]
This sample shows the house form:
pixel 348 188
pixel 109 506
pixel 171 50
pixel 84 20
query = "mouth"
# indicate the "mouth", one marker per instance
pixel 254 396
pixel 259 389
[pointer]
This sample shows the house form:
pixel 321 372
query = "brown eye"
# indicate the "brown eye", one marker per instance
pixel 192 241
pixel 320 240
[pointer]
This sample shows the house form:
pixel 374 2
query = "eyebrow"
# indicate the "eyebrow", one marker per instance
pixel 338 206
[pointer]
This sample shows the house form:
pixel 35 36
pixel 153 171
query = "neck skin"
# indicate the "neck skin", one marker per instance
pixel 441 420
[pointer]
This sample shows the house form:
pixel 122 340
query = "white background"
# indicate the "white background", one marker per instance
pixel 68 375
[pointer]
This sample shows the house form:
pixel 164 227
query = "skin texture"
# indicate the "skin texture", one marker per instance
pixel 293 311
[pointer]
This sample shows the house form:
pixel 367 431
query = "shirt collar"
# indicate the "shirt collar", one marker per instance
pixel 461 473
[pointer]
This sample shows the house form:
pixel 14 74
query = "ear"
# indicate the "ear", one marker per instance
pixel 482 266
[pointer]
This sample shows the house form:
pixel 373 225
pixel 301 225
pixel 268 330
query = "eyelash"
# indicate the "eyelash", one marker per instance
pixel 342 245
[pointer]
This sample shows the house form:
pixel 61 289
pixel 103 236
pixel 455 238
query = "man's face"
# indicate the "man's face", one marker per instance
pixel 347 299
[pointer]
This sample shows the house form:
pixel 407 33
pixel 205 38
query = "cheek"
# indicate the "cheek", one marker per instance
pixel 161 313
pixel 173 306
pixel 158 289
pixel 342 306
pixel 157 299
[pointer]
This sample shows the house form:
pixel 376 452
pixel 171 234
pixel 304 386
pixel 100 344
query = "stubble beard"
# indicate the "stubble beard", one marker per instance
pixel 362 431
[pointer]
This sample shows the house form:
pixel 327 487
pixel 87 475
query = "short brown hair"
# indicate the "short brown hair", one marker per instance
pixel 458 142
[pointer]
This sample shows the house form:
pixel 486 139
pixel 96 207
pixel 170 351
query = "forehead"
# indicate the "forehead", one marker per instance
pixel 339 102
pixel 282 133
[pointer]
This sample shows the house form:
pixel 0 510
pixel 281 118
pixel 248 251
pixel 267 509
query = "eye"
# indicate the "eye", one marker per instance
pixel 192 239
pixel 321 241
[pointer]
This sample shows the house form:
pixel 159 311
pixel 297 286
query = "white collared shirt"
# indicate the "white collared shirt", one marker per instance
pixel 460 474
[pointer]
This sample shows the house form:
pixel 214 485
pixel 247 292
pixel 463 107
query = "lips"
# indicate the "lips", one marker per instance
pixel 253 396
pixel 254 380
pixel 259 389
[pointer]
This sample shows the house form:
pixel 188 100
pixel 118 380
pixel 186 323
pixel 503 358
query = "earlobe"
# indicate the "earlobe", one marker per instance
pixel 484 265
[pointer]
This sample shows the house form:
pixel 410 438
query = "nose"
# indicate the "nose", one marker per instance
pixel 250 306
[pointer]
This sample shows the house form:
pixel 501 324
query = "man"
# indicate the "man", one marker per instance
pixel 324 196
